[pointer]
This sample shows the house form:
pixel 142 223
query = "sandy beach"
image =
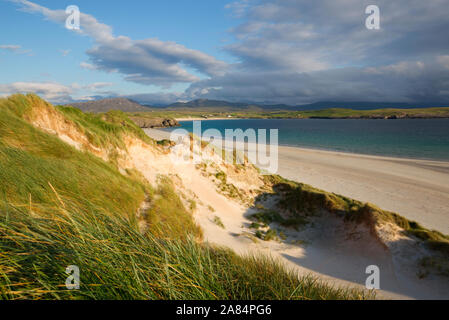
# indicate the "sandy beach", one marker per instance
pixel 203 119
pixel 416 189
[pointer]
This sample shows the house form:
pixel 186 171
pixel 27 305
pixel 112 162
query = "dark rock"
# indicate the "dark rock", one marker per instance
pixel 154 122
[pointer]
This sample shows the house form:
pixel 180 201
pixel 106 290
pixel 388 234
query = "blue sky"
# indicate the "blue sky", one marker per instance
pixel 279 51
pixel 49 52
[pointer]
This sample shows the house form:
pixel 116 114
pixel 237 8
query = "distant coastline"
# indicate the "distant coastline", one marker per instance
pixel 359 117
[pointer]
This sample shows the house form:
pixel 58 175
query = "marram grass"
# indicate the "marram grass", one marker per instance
pixel 117 262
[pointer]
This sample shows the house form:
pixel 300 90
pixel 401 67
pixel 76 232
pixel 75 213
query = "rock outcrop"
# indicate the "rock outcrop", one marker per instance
pixel 155 122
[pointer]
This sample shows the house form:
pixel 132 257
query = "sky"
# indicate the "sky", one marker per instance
pixel 278 51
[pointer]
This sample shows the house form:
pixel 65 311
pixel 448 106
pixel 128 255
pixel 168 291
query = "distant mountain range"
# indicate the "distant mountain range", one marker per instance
pixel 128 105
pixel 201 104
pixel 208 104
pixel 219 105
pixel 363 105
pixel 104 105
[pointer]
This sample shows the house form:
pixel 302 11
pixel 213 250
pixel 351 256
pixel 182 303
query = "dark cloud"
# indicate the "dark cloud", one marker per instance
pixel 297 51
pixel 160 98
pixel 403 82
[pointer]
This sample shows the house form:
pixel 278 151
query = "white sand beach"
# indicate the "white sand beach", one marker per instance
pixel 203 119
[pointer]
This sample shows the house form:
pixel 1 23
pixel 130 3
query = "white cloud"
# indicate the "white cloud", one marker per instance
pixel 89 25
pixel 238 7
pixel 55 92
pixel 161 98
pixel 87 66
pixel 149 61
pixel 15 48
pixel 97 85
pixel 10 47
pixel 51 91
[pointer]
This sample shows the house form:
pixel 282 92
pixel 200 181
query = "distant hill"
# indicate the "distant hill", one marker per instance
pixel 206 105
pixel 104 105
pixel 213 105
pixel 220 105
pixel 363 105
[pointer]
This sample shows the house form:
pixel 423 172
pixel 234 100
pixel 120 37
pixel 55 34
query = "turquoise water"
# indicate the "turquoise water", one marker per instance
pixel 407 138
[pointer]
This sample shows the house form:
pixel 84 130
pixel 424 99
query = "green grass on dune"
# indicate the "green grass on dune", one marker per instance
pixel 117 262
pixel 32 162
pixel 301 201
pixel 167 217
pixel 104 128
pixel 19 104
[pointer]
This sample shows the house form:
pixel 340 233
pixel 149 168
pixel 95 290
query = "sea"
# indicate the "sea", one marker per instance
pixel 403 138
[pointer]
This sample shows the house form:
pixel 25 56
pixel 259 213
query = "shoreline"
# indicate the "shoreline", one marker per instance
pixel 414 188
pixel 166 135
pixel 309 118
pixel 159 133
pixel 204 119
pixel 366 155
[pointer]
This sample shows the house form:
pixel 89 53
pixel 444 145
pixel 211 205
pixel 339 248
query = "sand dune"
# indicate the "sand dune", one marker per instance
pixel 416 189
pixel 335 251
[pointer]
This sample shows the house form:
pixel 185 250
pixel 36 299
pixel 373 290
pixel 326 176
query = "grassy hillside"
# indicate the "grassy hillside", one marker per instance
pixel 380 113
pixel 60 207
pixel 104 128
pixel 34 165
pixel 335 113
